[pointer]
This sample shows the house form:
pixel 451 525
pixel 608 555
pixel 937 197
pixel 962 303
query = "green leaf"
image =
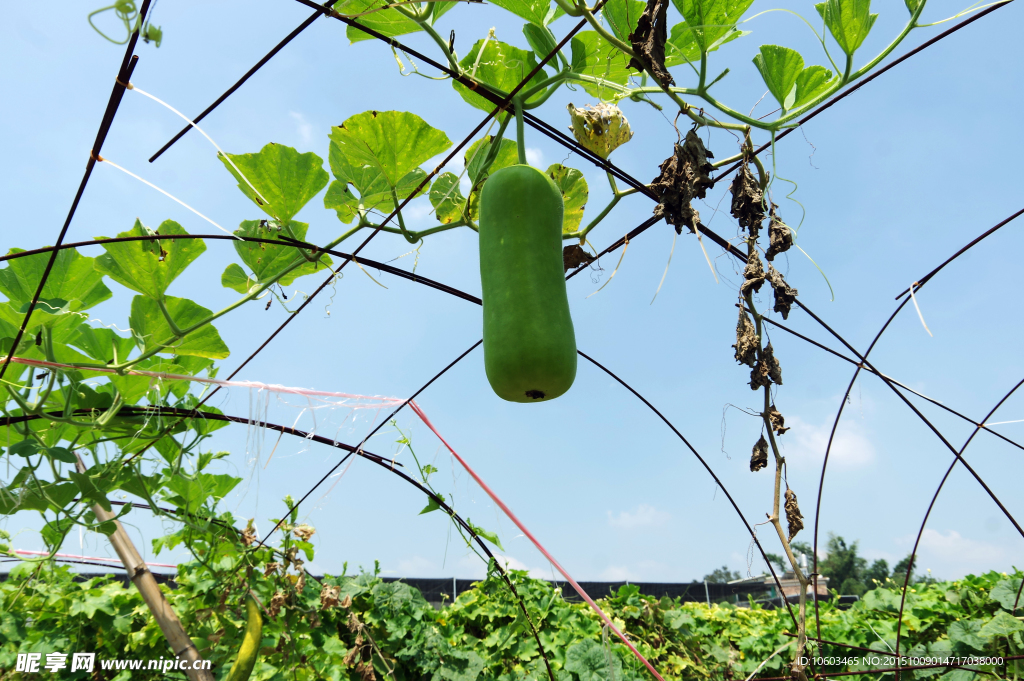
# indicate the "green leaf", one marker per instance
pixel 912 5
pixel 149 324
pixel 72 278
pixel 53 532
pixel 447 199
pixel 149 267
pixel 192 491
pixel 589 661
pixel 682 47
pixel 389 22
pixel 811 82
pixel 432 505
pixel 489 536
pixel 342 201
pixel 967 633
pixel 849 21
pixel 594 56
pixel 460 665
pixel 61 454
pixel 62 324
pixel 392 143
pixel 711 20
pixel 1005 593
pixel 25 448
pixel 285 178
pixel 779 67
pixel 88 489
pixel 473 161
pixel 534 11
pixel 501 67
pixel 235 278
pixel 267 261
pixel 1001 625
pixel 540 38
pixel 622 16
pixel 573 186
pixel 103 345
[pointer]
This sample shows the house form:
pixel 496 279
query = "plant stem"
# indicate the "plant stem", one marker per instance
pixel 520 132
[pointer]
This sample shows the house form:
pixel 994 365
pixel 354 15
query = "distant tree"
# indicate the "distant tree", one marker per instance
pixel 721 575
pixel 879 571
pixel 899 571
pixel 843 567
pixel 779 562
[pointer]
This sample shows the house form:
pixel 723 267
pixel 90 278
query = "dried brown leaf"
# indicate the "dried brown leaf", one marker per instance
pixel 303 532
pixel 329 596
pixel 683 178
pixel 746 340
pixel 747 201
pixel 573 256
pixel 759 456
pixel 784 294
pixel 793 515
pixel 271 568
pixel 753 274
pixel 777 420
pixel 350 657
pixel 780 237
pixel 365 671
pixel 648 41
pixel 767 370
pixel 249 534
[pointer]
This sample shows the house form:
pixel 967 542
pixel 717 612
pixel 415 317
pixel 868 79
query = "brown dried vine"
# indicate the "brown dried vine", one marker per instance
pixel 784 294
pixel 648 42
pixel 747 201
pixel 794 518
pixel 759 455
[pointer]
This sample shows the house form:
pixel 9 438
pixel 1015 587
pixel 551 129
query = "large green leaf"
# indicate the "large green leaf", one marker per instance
pixel 780 66
pixel 849 21
pixel 102 344
pixel 540 38
pixel 63 324
pixel 1001 625
pixel 377 150
pixel 72 278
pixel 1005 593
pixel 622 16
pixel 389 22
pixel 682 46
pixel 267 261
pixel 373 192
pixel 283 176
pixel 573 186
pixel 90 488
pixel 967 632
pixel 594 56
pixel 534 11
pixel 149 267
pixel 192 491
pixel 589 661
pixel 711 20
pixel 811 82
pixel 149 324
pixel 500 66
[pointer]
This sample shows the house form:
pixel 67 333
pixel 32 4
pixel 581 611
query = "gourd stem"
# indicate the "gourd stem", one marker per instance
pixel 520 132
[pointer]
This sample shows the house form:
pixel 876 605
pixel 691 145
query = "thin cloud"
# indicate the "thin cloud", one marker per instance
pixel 645 515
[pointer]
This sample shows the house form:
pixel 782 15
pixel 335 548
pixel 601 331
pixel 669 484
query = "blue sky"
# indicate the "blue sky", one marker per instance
pixel 894 179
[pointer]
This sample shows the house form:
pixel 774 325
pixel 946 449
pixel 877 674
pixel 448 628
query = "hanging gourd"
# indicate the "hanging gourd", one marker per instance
pixel 529 342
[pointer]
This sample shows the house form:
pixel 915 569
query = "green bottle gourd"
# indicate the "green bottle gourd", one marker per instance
pixel 241 670
pixel 529 342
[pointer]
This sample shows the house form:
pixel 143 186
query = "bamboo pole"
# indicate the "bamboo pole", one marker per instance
pixel 144 581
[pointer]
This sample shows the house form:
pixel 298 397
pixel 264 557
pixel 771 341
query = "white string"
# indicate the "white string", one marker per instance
pixel 919 315
pixel 173 198
pixel 131 86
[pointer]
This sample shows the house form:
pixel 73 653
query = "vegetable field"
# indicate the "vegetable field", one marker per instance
pixel 507 288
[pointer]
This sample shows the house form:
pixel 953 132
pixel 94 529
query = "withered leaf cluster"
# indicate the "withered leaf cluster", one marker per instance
pixel 777 420
pixel 648 41
pixel 780 237
pixel 793 515
pixel 573 256
pixel 747 201
pixel 248 534
pixel 683 178
pixel 329 596
pixel 767 370
pixel 303 532
pixel 759 456
pixel 271 568
pixel 784 294
pixel 753 274
pixel 746 340
pixel 276 603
